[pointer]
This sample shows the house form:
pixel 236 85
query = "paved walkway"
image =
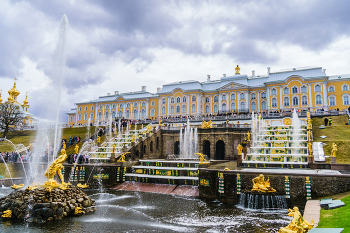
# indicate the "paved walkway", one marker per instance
pixel 312 211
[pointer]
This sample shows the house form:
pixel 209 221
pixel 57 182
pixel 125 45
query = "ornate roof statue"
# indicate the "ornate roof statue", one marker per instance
pixel 237 69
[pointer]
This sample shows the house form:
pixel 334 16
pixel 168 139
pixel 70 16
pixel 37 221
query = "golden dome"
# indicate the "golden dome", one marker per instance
pixel 14 92
pixel 10 99
pixel 0 96
pixel 25 102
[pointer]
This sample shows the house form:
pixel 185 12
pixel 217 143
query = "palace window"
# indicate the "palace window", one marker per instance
pixel 294 90
pixel 80 109
pixel 135 114
pixel 318 88
pixel 172 100
pixel 274 102
pixel 120 114
pixel 172 109
pixel 177 109
pixel 233 97
pixel 85 116
pixel 331 101
pixel 113 114
pixel 242 106
pixel 274 91
pixel 286 101
pixel 345 87
pixel 263 95
pixel 163 101
pixel 216 99
pixel 92 108
pixel 127 105
pixel 303 89
pixel 304 100
pixel 233 106
pixel 241 96
pixel 183 108
pixel 127 114
pixel 318 99
pixel 178 100
pixel 163 110
pixel 184 99
pixel 216 108
pixel 207 99
pixel 253 96
pixel 345 100
pixel 120 105
pixel 91 116
pixel 106 115
pixel 223 97
pixel 135 105
pixel 295 101
pixel 71 119
pixel 224 107
pixel 194 98
pixel 100 115
pixel 152 112
pixel 114 106
pixel 286 91
pixel 143 104
pixel 79 117
pixel 100 107
pixel 253 106
pixel 331 89
pixel 107 106
pixel 153 103
pixel 143 112
pixel 193 108
pixel 86 108
pixel 206 109
pixel 263 105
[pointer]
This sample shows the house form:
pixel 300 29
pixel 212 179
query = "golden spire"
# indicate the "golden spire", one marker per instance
pixel 237 69
pixel 0 96
pixel 25 102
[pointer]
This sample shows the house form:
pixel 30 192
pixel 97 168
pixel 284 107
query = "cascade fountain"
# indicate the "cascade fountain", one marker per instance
pixel 188 142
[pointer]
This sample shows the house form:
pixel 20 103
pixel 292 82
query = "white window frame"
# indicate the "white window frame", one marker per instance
pixel 233 96
pixel 302 100
pixel 318 103
pixel 345 86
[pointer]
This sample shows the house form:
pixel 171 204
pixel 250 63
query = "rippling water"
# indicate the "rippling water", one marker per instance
pixel 126 211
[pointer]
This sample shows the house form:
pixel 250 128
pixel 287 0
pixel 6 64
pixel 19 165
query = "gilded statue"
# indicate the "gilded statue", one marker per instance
pixel 160 122
pixel 113 148
pixel 15 186
pixel 308 115
pixel 201 158
pixel 309 135
pixel 248 134
pixel 33 186
pixel 133 138
pixel 298 223
pixel 239 149
pixel 310 147
pixel 98 139
pixel 6 214
pixel 83 186
pixel 334 150
pixel 76 149
pixel 309 125
pixel 206 125
pixel 262 185
pixel 77 210
pixel 122 157
pixel 237 69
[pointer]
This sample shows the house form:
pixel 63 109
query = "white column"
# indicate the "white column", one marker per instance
pixel 220 104
pixel 310 96
pixel 198 104
pixel 96 116
pixel 188 102
pixel 168 110
pixel 325 99
pixel 281 97
pixel 76 115
pixel 267 99
pixel 258 100
pixel 159 107
pixel 147 103
pixel 247 100
pixel 124 110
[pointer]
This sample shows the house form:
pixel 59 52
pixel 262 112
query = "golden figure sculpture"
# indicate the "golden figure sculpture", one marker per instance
pixel 201 158
pixel 7 214
pixel 33 186
pixel 310 147
pixel 309 135
pixel 237 69
pixel 206 125
pixel 98 139
pixel 309 125
pixel 133 138
pixel 122 157
pixel 262 185
pixel 308 115
pixel 334 150
pixel 160 122
pixel 298 223
pixel 83 186
pixel 248 134
pixel 77 210
pixel 113 148
pixel 76 149
pixel 239 149
pixel 15 186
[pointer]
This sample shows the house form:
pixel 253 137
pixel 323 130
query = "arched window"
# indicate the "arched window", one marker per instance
pixel 318 99
pixel 163 101
pixel 274 102
pixel 286 91
pixel 317 88
pixel 92 108
pixel 345 100
pixel 194 98
pixel 206 109
pixel 120 105
pixel 223 97
pixel 143 113
pixel 71 119
pixel 303 89
pixel 100 107
pixel 153 103
pixel 85 116
pixel 172 109
pixel 331 101
pixel 107 106
pixel 295 101
pixel 253 106
pixel 233 106
pixel 263 95
pixel 172 100
pixel 178 100
pixel 86 108
pixel 135 113
pixel 273 91
pixel 114 106
pixel 127 114
pixel 135 105
pixel 91 116
pixel 193 108
pixel 152 112
pixel 79 117
pixel 216 108
pixel 263 105
pixel 100 115
pixel 163 110
pixel 345 87
pixel 106 115
pixel 242 106
pixel 286 101
pixel 233 97
pixel 120 114
pixel 253 96
pixel 143 104
pixel 294 90
pixel 224 109
pixel 241 96
pixel 331 89
pixel 177 109
pixel 216 99
pixel 207 99
pixel 304 100
pixel 183 108
pixel 80 109
pixel 113 114
pixel 184 99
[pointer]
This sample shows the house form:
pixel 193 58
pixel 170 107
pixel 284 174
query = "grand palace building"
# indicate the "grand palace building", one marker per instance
pixel 297 88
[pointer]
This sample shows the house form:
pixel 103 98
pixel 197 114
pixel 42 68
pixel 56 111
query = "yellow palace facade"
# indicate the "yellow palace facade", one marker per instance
pixel 297 88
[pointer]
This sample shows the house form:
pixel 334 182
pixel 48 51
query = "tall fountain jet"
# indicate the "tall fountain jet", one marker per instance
pixel 188 142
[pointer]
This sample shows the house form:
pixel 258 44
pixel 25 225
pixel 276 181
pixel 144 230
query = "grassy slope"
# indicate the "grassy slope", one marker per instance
pixel 336 218
pixel 339 133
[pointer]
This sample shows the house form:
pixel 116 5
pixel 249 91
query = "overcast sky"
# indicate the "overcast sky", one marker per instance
pixel 115 45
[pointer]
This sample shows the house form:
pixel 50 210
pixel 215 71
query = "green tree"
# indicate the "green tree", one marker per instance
pixel 11 117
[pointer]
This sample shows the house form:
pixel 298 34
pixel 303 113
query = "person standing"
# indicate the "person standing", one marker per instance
pixel 330 121
pixel 326 121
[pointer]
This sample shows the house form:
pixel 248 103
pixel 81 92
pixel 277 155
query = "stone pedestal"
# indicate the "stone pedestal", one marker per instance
pixel 112 159
pixel 239 160
pixel 310 159
pixel 333 160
